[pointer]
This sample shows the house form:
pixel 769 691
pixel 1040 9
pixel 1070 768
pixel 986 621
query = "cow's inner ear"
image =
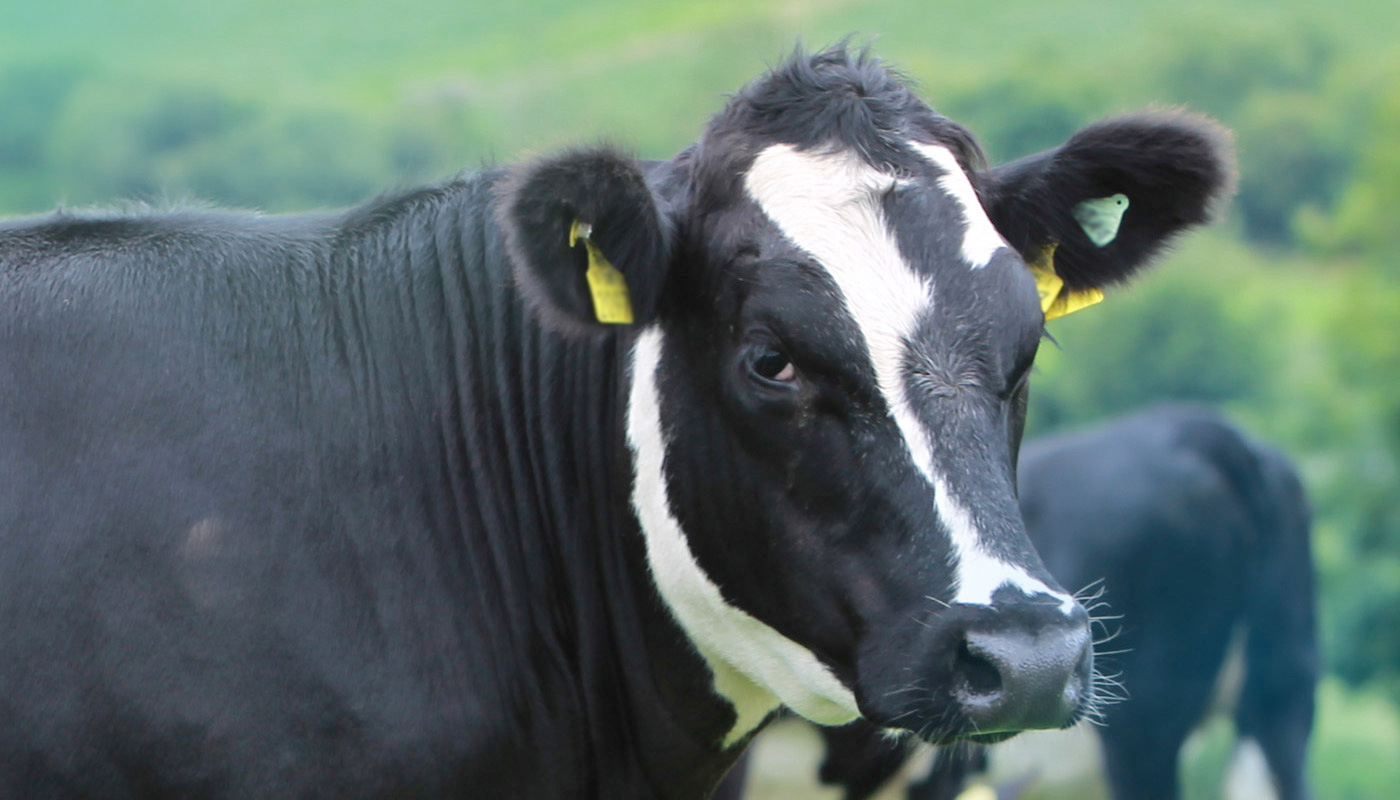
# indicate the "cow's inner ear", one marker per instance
pixel 588 239
pixel 1106 202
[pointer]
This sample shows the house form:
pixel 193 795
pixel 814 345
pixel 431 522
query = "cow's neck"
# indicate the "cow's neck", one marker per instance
pixel 680 722
pixel 641 680
pixel 524 433
pixel 654 725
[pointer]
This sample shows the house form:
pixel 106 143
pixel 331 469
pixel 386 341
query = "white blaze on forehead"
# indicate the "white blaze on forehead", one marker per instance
pixel 830 205
pixel 980 238
pixel 754 666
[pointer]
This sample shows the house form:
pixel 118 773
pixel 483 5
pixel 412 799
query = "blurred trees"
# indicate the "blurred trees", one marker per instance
pixel 1274 83
pixel 1366 220
pixel 1025 110
pixel 1175 338
pixel 32 98
pixel 1295 154
pixel 1363 333
pixel 73 138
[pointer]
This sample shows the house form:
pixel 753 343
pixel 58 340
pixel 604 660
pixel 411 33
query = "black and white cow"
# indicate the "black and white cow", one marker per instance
pixel 1193 530
pixel 371 504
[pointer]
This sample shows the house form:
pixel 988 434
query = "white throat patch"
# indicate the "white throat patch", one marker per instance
pixel 754 666
pixel 829 205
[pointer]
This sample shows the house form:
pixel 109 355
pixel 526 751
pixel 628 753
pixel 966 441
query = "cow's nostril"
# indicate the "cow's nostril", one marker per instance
pixel 1011 679
pixel 981 679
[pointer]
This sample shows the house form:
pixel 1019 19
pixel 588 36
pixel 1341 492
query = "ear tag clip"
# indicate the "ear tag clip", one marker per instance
pixel 1055 299
pixel 1100 217
pixel 611 303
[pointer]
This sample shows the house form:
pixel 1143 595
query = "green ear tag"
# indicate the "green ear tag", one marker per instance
pixel 1101 217
pixel 611 303
pixel 1055 301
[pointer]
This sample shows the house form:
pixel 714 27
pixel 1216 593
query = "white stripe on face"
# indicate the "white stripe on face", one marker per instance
pixel 979 573
pixel 980 238
pixel 751 662
pixel 829 205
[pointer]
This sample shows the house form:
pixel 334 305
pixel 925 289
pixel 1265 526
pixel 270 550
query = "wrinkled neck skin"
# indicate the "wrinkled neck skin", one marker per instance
pixel 686 727
pixel 683 720
pixel 646 691
pixel 719 705
pixel 660 700
pixel 593 689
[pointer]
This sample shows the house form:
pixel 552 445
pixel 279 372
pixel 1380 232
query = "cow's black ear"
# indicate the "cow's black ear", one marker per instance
pixel 588 239
pixel 1114 194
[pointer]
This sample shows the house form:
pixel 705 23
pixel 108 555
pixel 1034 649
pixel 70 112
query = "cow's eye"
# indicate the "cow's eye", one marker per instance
pixel 771 365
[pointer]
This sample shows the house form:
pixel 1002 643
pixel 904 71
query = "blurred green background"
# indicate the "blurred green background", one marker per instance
pixel 1287 314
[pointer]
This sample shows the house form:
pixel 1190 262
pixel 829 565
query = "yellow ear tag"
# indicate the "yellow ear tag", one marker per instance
pixel 1055 300
pixel 611 303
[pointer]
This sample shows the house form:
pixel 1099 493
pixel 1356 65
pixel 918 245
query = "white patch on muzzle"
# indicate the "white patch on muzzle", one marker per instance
pixel 754 666
pixel 829 205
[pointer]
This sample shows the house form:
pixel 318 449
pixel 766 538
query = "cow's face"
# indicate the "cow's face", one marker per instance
pixel 824 438
pixel 827 389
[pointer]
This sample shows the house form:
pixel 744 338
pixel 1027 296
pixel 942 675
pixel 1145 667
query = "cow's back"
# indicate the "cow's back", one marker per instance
pixel 1140 502
pixel 1170 509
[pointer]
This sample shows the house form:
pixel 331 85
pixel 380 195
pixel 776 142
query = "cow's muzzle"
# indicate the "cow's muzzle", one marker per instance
pixel 1017 677
pixel 988 672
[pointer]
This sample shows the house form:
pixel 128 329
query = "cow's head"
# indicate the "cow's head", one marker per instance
pixel 834 323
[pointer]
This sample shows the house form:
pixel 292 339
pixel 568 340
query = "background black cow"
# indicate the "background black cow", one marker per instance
pixel 1187 531
pixel 382 503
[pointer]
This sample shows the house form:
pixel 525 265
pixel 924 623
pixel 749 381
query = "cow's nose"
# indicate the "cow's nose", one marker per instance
pixel 1018 678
